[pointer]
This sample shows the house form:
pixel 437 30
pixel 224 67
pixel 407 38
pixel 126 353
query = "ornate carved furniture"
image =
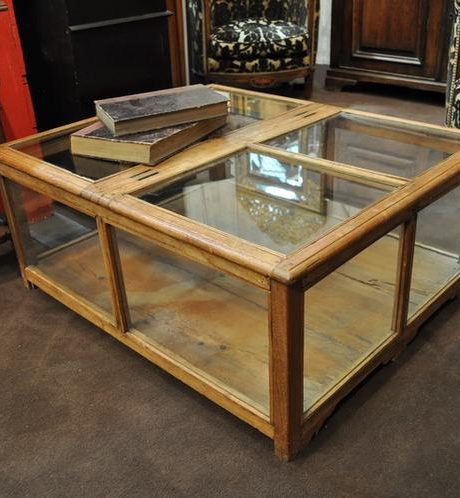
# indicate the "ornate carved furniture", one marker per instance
pixel 390 42
pixel 453 72
pixel 271 268
pixel 253 42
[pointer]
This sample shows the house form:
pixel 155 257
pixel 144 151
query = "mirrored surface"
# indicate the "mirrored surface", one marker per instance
pixel 264 200
pixel 378 145
pixel 56 151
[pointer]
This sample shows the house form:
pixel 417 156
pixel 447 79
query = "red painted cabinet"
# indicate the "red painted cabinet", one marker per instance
pixel 16 111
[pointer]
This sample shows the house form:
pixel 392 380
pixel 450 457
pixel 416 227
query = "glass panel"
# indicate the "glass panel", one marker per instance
pixel 371 143
pixel 348 315
pixel 437 249
pixel 264 200
pixel 63 244
pixel 56 151
pixel 245 110
pixel 215 323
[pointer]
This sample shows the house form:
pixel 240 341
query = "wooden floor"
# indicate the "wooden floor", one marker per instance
pixel 218 325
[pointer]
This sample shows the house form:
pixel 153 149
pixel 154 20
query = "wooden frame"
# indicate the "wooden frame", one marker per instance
pixel 282 278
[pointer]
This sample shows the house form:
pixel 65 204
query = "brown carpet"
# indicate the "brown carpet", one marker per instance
pixel 83 416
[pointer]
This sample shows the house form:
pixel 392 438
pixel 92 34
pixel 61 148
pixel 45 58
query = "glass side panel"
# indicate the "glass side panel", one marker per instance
pixel 371 143
pixel 246 109
pixel 56 151
pixel 348 315
pixel 63 244
pixel 264 200
pixel 214 323
pixel 437 249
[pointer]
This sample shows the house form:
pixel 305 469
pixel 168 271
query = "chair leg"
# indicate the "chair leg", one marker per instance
pixel 308 88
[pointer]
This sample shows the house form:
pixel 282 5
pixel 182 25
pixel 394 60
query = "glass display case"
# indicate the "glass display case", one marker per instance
pixel 271 268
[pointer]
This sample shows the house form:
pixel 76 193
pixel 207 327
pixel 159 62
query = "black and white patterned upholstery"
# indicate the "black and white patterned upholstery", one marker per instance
pixel 258 65
pixel 453 72
pixel 255 38
pixel 251 36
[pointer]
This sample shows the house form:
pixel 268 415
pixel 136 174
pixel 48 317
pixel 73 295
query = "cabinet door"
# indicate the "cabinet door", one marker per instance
pixel 394 36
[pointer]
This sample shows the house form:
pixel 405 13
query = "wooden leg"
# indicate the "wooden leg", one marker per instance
pixel 404 275
pixel 308 88
pixel 112 263
pixel 336 84
pixel 286 367
pixel 14 229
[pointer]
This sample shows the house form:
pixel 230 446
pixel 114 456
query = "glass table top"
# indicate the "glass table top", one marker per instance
pixel 246 109
pixel 56 151
pixel 243 110
pixel 370 143
pixel 265 201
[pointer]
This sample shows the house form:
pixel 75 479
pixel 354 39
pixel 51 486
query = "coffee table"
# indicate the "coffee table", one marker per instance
pixel 271 267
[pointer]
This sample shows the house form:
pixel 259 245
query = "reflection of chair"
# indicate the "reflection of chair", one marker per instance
pixel 256 43
pixel 453 77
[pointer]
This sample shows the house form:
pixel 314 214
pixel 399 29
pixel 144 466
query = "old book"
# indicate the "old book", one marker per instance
pixel 146 147
pixel 153 110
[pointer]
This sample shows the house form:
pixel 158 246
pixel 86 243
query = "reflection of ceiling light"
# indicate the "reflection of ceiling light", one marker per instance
pixel 281 192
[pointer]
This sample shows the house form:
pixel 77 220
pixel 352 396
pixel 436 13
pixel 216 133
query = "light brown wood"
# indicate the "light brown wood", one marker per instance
pixel 198 296
pixel 295 119
pixel 261 95
pixel 362 230
pixel 257 261
pixel 111 257
pixel 13 224
pixel 166 361
pixel 54 133
pixel 429 129
pixel 228 308
pixel 286 368
pixel 339 170
pixel 403 131
pixel 404 276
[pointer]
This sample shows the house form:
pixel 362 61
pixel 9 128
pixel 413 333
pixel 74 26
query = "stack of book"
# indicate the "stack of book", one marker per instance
pixel 149 127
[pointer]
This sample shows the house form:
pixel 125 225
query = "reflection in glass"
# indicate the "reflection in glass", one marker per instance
pixel 437 249
pixel 369 143
pixel 264 200
pixel 56 151
pixel 216 324
pixel 245 110
pixel 348 315
pixel 63 244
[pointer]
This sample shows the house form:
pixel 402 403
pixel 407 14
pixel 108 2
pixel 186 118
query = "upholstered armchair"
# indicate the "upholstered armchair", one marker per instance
pixel 453 72
pixel 257 43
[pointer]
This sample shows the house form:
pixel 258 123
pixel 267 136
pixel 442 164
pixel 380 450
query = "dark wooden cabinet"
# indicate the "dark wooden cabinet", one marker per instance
pixel 401 42
pixel 78 51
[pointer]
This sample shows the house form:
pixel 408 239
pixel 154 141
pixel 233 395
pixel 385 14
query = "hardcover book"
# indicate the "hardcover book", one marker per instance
pixel 153 110
pixel 147 147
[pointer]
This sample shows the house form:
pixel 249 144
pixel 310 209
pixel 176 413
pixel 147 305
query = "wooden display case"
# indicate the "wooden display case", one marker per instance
pixel 271 267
